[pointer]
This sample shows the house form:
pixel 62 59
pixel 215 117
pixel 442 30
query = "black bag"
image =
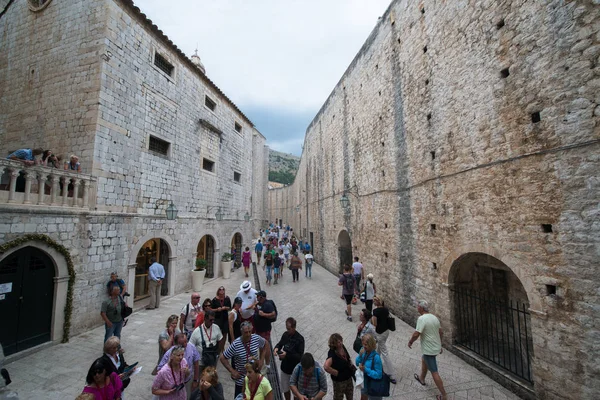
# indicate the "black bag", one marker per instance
pixel 357 343
pixel 378 387
pixel 126 311
pixel 209 353
pixel 391 323
pixel 275 309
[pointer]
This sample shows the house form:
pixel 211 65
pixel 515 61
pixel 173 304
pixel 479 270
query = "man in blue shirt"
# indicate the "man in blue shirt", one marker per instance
pixel 156 274
pixel 307 247
pixel 258 248
pixel 27 156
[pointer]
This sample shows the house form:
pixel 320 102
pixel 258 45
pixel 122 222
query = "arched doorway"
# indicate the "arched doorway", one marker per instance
pixel 159 249
pixel 26 299
pixel 344 250
pixel 236 243
pixel 206 251
pixel 490 313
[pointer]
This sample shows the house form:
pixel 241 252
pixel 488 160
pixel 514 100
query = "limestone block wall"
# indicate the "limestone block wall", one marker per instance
pixel 460 128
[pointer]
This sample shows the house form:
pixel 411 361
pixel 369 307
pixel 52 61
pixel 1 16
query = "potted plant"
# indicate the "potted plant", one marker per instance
pixel 226 265
pixel 198 274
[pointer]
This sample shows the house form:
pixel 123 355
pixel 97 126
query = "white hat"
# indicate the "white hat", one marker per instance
pixel 245 285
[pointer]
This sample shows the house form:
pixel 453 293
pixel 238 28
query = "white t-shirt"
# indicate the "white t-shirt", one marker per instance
pixel 191 315
pixel 286 248
pixel 247 300
pixel 308 258
pixel 357 268
pixel 214 333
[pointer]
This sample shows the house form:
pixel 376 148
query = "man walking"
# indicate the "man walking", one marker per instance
pixel 156 274
pixel 308 261
pixel 346 281
pixel 428 329
pixel 258 249
pixel 289 350
pixel 359 273
pixel 189 312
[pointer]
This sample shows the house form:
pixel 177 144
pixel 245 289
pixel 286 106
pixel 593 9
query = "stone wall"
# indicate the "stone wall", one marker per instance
pixel 463 127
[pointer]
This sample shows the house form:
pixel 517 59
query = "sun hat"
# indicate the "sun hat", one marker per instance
pixel 245 285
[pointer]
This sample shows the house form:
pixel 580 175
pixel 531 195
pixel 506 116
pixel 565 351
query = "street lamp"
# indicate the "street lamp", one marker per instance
pixel 219 214
pixel 246 217
pixel 297 209
pixel 171 211
pixel 345 201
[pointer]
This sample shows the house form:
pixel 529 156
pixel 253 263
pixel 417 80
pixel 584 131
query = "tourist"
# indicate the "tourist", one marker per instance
pixel 246 260
pixel 258 249
pixel 192 359
pixel 307 247
pixel 295 265
pixel 210 388
pixel 114 360
pixel 340 367
pixel 276 267
pixel 281 262
pixel 110 312
pixel 429 331
pixel 289 350
pixel 347 282
pixel 369 362
pixel 245 349
pixel 269 257
pixel 206 305
pixel 248 296
pixel 115 281
pixel 169 384
pixel 380 322
pixel 156 274
pixel 370 292
pixel 235 320
pixel 73 164
pixel 286 247
pixel 221 304
pixel 308 380
pixel 166 339
pixel 308 261
pixel 102 383
pixel 189 313
pixel 207 338
pixel 256 386
pixel 52 161
pixel 264 314
pixel 365 326
pixel 358 272
pixel 26 156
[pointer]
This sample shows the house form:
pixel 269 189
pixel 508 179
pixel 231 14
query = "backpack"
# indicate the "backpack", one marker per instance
pixel 300 371
pixel 349 283
pixel 276 312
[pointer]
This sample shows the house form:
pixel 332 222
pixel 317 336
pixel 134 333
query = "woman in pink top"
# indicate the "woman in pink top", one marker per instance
pixel 169 384
pixel 246 259
pixel 101 384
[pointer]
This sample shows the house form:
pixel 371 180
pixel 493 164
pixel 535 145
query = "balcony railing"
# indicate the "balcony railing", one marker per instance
pixel 45 186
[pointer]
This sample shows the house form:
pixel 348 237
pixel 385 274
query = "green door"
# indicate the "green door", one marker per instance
pixel 26 308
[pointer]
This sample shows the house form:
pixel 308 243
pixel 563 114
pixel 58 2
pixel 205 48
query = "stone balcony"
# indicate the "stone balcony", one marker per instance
pixel 38 186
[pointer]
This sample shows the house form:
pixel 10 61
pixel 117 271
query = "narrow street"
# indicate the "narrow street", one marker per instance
pixel 58 372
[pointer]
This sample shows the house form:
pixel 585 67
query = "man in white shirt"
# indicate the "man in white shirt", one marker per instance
pixel 359 273
pixel 249 301
pixel 189 312
pixel 206 339
pixel 286 251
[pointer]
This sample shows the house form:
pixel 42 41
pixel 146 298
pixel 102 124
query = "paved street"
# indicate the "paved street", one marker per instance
pixel 58 372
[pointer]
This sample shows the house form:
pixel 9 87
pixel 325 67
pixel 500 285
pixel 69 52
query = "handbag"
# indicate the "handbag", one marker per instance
pixel 357 345
pixel 391 323
pixel 209 353
pixel 378 387
pixel 126 311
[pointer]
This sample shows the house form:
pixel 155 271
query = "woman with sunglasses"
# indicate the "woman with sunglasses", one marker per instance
pixel 102 384
pixel 221 305
pixel 169 384
pixel 206 304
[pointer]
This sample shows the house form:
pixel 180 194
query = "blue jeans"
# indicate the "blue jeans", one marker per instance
pixel 114 331
pixel 308 272
pixel 268 270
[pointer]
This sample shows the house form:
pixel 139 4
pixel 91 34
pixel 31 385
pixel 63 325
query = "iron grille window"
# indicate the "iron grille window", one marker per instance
pixel 208 165
pixel 238 128
pixel 237 176
pixel 159 146
pixel 208 102
pixel 163 64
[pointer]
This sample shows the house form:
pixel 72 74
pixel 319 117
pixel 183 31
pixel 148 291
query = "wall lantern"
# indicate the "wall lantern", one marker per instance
pixel 297 209
pixel 219 214
pixel 171 212
pixel 345 201
pixel 246 217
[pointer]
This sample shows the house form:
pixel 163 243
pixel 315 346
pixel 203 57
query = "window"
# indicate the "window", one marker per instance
pixel 210 103
pixel 208 165
pixel 163 64
pixel 238 127
pixel 159 146
pixel 237 176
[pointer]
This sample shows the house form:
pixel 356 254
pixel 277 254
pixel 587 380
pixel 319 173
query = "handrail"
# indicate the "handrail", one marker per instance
pixel 45 186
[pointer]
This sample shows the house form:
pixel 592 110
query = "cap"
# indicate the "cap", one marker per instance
pixel 261 293
pixel 245 285
pixel 238 300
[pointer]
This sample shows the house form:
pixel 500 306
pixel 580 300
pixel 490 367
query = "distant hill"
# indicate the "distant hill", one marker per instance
pixel 282 167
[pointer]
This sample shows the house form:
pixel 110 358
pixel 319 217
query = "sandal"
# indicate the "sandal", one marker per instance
pixel 419 380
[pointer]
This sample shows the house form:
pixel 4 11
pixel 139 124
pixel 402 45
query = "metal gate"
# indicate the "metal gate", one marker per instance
pixel 497 331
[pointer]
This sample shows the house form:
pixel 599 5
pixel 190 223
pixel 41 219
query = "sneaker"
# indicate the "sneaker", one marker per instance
pixel 349 319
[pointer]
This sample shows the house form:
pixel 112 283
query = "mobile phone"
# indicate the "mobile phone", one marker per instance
pixel 179 387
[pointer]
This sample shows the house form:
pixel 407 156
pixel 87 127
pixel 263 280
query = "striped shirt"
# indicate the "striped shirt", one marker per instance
pixel 241 352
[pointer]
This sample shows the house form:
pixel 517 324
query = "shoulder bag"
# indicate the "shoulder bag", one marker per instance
pixel 125 309
pixel 377 387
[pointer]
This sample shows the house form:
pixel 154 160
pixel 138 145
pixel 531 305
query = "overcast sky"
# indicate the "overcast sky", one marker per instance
pixel 277 60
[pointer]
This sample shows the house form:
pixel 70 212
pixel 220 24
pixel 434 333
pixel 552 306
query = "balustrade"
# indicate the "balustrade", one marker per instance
pixel 44 186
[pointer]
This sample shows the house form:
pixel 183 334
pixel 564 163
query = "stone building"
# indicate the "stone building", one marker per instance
pixel 458 158
pixel 99 80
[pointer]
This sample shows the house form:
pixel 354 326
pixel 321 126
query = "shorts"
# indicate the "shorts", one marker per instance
pixel 287 256
pixel 348 298
pixel 258 254
pixel 284 382
pixel 431 363
pixel 276 270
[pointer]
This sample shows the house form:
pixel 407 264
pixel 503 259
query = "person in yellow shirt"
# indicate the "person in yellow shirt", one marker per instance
pixel 256 386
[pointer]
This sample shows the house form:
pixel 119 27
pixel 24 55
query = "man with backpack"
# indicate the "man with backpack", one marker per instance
pixel 189 312
pixel 347 283
pixel 308 380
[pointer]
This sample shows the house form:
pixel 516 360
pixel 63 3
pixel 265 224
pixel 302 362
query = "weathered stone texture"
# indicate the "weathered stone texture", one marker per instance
pixel 425 127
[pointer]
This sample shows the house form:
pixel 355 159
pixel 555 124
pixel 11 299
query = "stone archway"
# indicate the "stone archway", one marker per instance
pixel 158 248
pixel 344 250
pixel 236 244
pixel 490 313
pixel 206 250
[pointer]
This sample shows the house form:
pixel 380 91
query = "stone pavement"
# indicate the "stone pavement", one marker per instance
pixel 58 372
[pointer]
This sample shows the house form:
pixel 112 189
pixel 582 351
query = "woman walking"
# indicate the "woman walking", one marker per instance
pixel 246 259
pixel 369 363
pixel 295 265
pixel 340 367
pixel 370 292
pixel 380 322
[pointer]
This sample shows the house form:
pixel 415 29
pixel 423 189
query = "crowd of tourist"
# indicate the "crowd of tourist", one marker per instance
pixel 194 341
